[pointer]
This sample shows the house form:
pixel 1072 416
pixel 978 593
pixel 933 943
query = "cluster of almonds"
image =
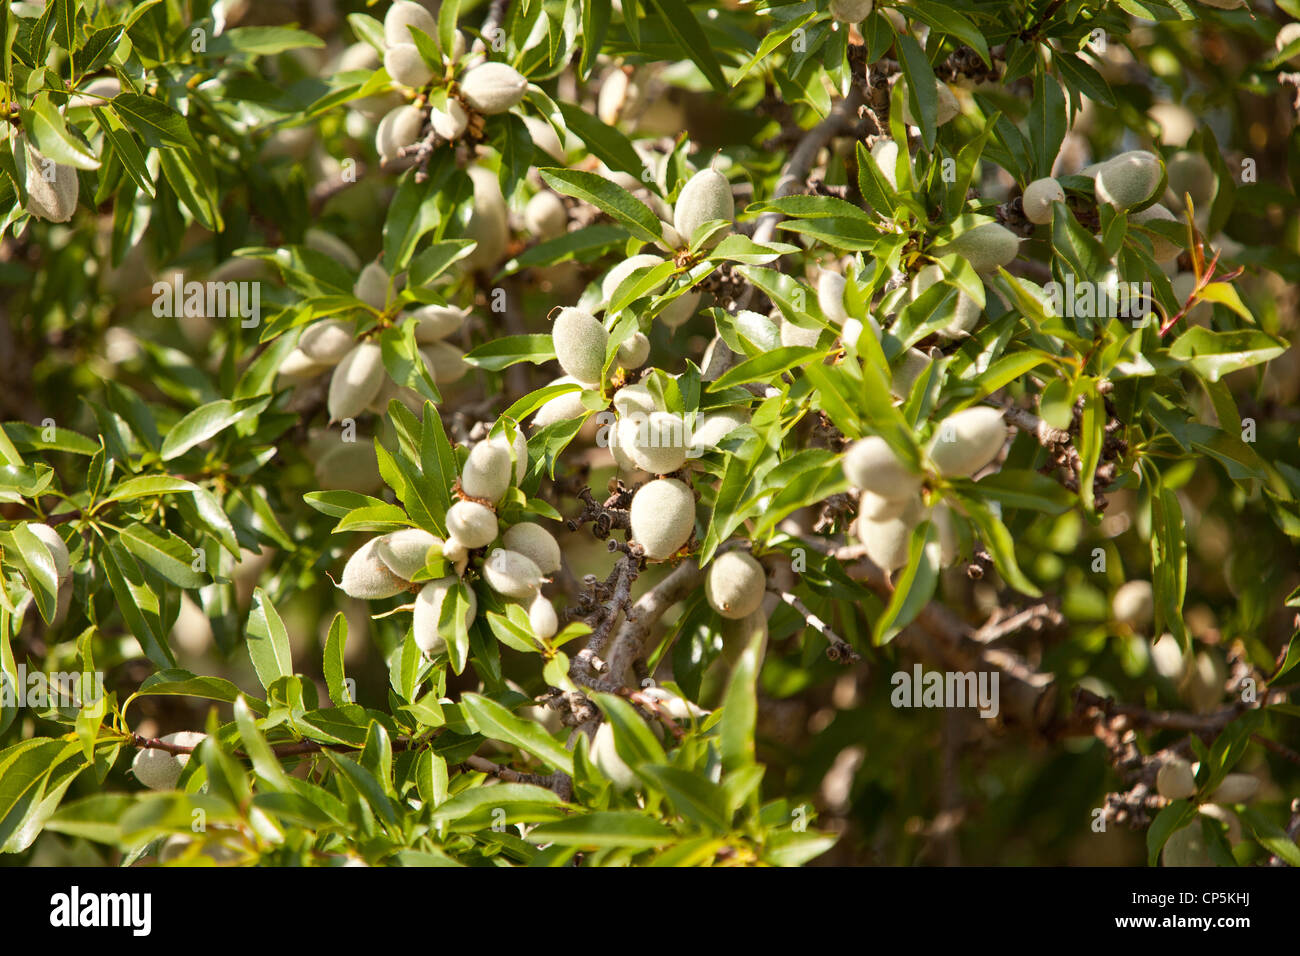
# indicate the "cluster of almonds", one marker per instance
pixel 891 503
pixel 385 566
pixel 1176 780
pixel 359 382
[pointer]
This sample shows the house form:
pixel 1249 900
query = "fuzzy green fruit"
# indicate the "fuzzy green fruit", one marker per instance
pixel 580 343
pixel 713 428
pixel 876 507
pixel 886 542
pixel 1129 179
pixel 367 577
pixel 1163 249
pixel 535 543
pixel 445 362
pixel 517 450
pixel 1175 780
pixel 356 381
pixel 493 87
pixel 488 223
pixel 605 756
pixel 1040 199
pixel 655 443
pixel 967 441
pixel 796 335
pixel 562 408
pixel 512 575
pixel 326 342
pixel 406 552
pixel 1191 173
pixel 472 524
pixel 487 471
pixel 851 11
pixel 542 618
pixel 405 65
pixel 614 278
pixel 870 464
pixel 1289 33
pixel 912 364
pixel 428 612
pixel 450 121
pixel 735 584
pixel 706 196
pixel 885 154
pixel 680 310
pixel 1134 604
pixel 404 14
pixel 545 138
pixel 967 310
pixel 662 517
pixel 830 296
pixel 633 351
pixel 985 247
pixel 1236 788
pixel 299 366
pixel 545 216
pixel 634 398
pixel 371 286
pixel 399 128
pixel 433 323
pixel 51 186
pixel 159 770
pixel 947 109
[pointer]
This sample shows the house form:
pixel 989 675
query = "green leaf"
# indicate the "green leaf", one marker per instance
pixel 166 553
pixel 922 94
pixel 765 367
pixel 740 706
pixel 268 641
pixel 611 199
pixel 335 643
pixel 157 123
pixel 611 828
pixel 1215 354
pixel 261 41
pixel 915 586
pixel 147 486
pixel 497 723
pixel 604 141
pixel 692 795
pixel 688 35
pixel 49 133
pixel 1271 836
pixel 198 426
pixel 181 683
pixel 119 565
pixel 510 350
pixel 39 570
pixel 94 818
pixel 1168 820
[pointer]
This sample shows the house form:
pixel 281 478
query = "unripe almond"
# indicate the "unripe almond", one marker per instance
pixel 797 336
pixel 472 524
pixel 517 451
pixel 542 618
pixel 433 323
pixel 735 584
pixel 1203 685
pixel 759 329
pixel 331 245
pixel 580 343
pixel 299 366
pixel 1224 816
pixel 985 247
pixel 58 550
pixel 941 515
pixel 1129 179
pixel 656 443
pixel 634 398
pixel 680 309
pixel 450 121
pixel 851 11
pixel 885 153
pixel 399 128
pixel 605 756
pixel 487 471
pixel 445 362
pixel 633 351
pixel 404 14
pixel 535 543
pixel 371 286
pixel 545 215
pixel 967 310
pixel 870 464
pixel 349 466
pixel 1289 33
pixel 405 65
pixel 967 441
pixel 876 507
pixel 1175 780
pixel 356 381
pixel 947 108
pixel 326 342
pixel 911 366
pixel 1163 248
pixel 160 770
pixel 367 577
pixel 1167 658
pixel 886 542
pixel 406 552
pixel 562 408
pixel 706 196
pixel 713 428
pixel 455 552
pixel 614 278
pixel 428 611
pixel 830 296
pixel 1134 604
pixel 662 517
pixel 1236 788
pixel 51 186
pixel 488 224
pixel 1191 173
pixel 1039 199
pixel 493 87
pixel 512 575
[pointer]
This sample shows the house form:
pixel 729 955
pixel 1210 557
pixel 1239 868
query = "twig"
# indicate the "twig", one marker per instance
pixel 838 649
pixel 998 627
pixel 684 579
pixel 296 749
